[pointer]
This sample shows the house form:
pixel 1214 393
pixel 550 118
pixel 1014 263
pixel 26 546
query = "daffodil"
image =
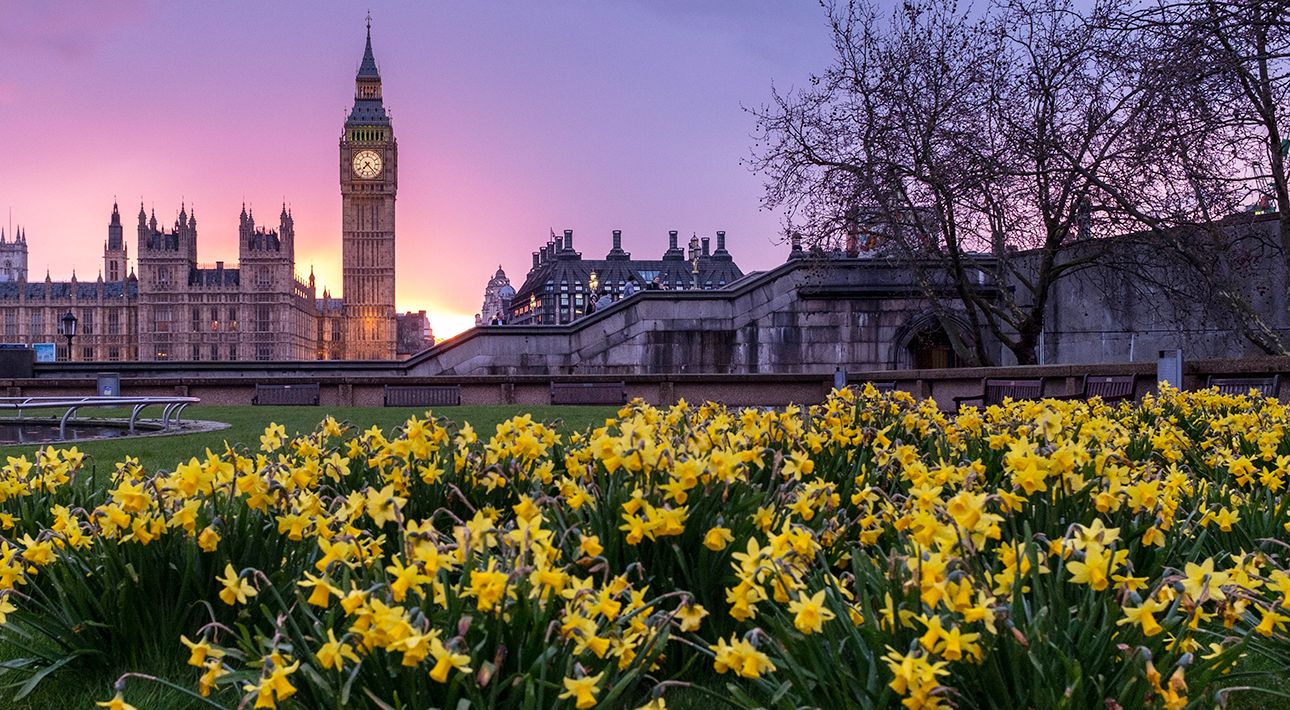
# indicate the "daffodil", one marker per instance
pixel 1144 616
pixel 236 590
pixel 214 670
pixel 200 650
pixel 333 653
pixel 717 538
pixel 810 613
pixel 445 661
pixel 590 546
pixel 1202 582
pixel 583 690
pixel 116 703
pixel 691 616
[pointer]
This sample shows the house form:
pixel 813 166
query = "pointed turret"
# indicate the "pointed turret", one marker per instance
pixel 368 110
pixel 287 233
pixel 116 238
pixel 367 69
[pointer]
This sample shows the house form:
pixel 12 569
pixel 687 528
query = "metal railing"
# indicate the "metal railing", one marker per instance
pixel 172 407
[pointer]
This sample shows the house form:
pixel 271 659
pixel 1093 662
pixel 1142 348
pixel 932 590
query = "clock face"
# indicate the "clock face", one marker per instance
pixel 367 163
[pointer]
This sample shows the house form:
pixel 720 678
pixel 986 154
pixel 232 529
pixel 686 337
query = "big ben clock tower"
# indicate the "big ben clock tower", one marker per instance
pixel 369 170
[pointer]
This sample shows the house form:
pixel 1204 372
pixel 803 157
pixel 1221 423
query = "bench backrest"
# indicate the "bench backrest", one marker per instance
pixel 998 390
pixel 882 387
pixel 286 395
pixel 1266 386
pixel 422 395
pixel 589 393
pixel 1110 387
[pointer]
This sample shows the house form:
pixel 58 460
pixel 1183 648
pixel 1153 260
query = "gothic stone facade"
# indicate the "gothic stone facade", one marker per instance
pixel 176 308
pixel 369 180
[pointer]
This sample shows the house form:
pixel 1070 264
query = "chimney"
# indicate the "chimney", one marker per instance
pixel 536 256
pixel 542 252
pixel 671 240
pixel 559 244
pixel 1083 217
pixel 618 240
pixel 705 247
pixel 721 242
pixel 852 222
pixel 568 239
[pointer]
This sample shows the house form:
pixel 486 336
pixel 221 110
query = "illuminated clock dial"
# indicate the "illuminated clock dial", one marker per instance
pixel 367 163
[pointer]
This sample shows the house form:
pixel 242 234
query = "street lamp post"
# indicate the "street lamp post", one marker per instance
pixel 69 330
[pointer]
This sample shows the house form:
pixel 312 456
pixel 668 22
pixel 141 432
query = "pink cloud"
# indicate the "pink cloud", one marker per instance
pixel 70 29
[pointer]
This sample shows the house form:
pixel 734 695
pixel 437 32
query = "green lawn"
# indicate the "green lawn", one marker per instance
pixel 248 423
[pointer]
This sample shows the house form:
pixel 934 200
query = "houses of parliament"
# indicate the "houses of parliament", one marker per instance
pixel 174 307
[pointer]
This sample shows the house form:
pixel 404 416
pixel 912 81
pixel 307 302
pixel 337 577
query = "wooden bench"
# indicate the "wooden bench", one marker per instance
pixel 589 393
pixel 1111 388
pixel 994 391
pixel 422 395
pixel 1266 386
pixel 286 395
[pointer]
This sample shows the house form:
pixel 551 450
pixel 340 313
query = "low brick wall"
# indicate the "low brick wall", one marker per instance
pixel 945 385
pixel 522 391
pixel 224 386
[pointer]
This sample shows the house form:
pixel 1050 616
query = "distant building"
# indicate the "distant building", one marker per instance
pixel 256 309
pixel 414 333
pixel 560 283
pixel 497 298
pixel 259 309
pixel 13 256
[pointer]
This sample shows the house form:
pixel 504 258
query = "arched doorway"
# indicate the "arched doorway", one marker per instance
pixel 931 350
pixel 921 343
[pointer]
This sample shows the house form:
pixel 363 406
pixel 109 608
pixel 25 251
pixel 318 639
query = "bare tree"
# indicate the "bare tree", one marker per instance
pixel 1210 143
pixel 968 143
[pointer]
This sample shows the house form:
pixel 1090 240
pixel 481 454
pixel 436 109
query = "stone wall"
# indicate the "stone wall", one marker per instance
pixel 359 388
pixel 1135 301
pixel 801 317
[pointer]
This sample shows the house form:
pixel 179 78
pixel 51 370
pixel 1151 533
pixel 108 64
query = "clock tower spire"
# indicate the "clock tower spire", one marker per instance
pixel 368 184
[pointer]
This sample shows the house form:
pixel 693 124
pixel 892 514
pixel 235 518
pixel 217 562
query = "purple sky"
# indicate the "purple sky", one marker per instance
pixel 513 118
